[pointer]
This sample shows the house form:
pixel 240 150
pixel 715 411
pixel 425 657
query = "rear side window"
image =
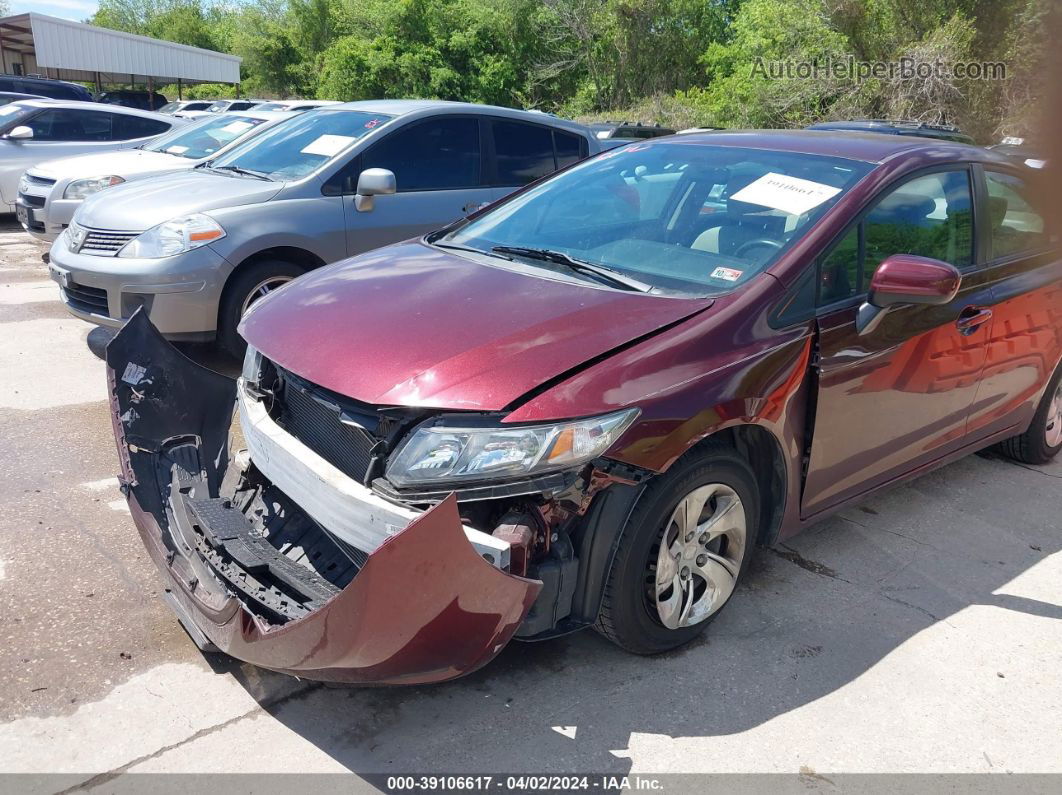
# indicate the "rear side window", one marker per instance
pixel 64 124
pixel 569 148
pixel 128 127
pixel 523 152
pixel 1014 225
pixel 439 154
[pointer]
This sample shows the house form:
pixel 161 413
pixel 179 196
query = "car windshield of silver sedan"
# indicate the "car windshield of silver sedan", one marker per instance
pixel 204 138
pixel 681 218
pixel 299 146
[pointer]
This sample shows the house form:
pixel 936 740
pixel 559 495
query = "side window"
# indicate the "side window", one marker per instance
pixel 930 216
pixel 439 154
pixel 1014 226
pixel 127 127
pixel 839 270
pixel 570 148
pixel 63 124
pixel 523 152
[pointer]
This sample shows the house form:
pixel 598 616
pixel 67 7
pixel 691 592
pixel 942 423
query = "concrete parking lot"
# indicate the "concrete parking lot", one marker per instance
pixel 918 632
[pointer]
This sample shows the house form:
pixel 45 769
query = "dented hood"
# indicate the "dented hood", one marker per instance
pixel 413 325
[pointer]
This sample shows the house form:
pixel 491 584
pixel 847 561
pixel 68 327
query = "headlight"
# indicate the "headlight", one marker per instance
pixel 174 237
pixel 449 453
pixel 80 188
pixel 252 366
pixel 23 184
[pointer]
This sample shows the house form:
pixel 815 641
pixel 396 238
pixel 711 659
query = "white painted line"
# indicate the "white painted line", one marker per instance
pixel 100 485
pixel 2 564
pixel 118 505
pixel 567 731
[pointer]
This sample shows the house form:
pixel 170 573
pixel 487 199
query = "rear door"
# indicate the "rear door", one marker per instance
pixel 1025 269
pixel 898 397
pixel 438 168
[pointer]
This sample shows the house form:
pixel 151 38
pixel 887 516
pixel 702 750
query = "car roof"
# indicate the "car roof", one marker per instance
pixel 402 107
pixel 74 103
pixel 868 147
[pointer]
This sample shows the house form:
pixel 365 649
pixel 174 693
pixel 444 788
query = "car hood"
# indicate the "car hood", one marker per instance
pixel 412 325
pixel 124 163
pixel 143 204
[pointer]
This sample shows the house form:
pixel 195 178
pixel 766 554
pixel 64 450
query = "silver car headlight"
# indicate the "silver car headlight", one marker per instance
pixel 173 237
pixel 452 453
pixel 80 188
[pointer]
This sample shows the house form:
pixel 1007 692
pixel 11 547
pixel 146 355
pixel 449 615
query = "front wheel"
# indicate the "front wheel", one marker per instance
pixel 682 553
pixel 247 285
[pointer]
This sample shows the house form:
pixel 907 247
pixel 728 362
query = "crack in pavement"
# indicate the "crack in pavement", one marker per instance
pixel 263 706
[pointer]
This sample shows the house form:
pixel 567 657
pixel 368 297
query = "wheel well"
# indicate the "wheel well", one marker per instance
pixel 296 256
pixel 763 453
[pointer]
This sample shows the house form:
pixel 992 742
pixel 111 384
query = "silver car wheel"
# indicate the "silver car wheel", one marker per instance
pixel 262 289
pixel 699 557
pixel 1053 432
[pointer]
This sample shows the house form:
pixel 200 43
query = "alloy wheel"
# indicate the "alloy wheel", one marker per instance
pixel 262 289
pixel 1053 431
pixel 698 558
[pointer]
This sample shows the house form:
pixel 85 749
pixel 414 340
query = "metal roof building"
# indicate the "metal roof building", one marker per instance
pixel 35 43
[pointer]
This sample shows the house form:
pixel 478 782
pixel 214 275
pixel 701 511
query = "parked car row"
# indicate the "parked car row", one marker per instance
pixel 500 382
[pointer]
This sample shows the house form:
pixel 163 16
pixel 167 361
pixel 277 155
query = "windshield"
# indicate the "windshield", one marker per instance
pixel 170 107
pixel 203 138
pixel 219 106
pixel 301 145
pixel 273 106
pixel 683 217
pixel 13 112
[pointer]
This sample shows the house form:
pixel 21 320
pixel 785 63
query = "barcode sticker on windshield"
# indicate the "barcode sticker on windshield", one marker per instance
pixel 176 150
pixel 789 194
pixel 727 274
pixel 327 145
pixel 237 127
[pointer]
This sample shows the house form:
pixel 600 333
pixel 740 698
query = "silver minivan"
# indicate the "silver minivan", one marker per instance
pixel 196 249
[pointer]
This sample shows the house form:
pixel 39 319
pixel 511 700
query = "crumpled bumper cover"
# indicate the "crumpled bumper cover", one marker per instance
pixel 425 607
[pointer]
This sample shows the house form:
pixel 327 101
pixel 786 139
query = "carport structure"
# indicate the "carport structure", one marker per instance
pixel 37 44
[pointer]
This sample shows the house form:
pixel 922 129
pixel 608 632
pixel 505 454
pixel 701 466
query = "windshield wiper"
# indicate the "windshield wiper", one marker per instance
pixel 577 265
pixel 247 171
pixel 471 250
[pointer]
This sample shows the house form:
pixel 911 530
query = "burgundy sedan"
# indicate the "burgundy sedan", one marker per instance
pixel 587 404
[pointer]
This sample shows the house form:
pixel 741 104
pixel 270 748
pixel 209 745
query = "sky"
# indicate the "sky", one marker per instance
pixel 77 10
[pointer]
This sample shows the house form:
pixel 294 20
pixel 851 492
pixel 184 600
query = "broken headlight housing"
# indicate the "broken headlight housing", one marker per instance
pixel 461 453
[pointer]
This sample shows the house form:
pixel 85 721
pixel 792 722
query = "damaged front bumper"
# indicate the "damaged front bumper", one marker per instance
pixel 375 593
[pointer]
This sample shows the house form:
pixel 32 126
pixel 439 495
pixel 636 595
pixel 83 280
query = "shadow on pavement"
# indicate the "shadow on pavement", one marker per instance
pixel 812 616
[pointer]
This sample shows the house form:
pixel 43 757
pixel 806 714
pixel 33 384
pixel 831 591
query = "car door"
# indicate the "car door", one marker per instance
pixel 899 396
pixel 521 152
pixel 1024 265
pixel 57 132
pixel 437 163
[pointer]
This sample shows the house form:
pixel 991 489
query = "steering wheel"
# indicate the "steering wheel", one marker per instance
pixel 760 241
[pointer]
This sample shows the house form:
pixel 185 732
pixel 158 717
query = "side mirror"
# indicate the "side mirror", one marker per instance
pixel 20 133
pixel 373 182
pixel 907 279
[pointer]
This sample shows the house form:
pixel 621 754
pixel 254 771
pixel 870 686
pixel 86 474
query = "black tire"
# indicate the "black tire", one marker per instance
pixel 1031 447
pixel 240 284
pixel 626 617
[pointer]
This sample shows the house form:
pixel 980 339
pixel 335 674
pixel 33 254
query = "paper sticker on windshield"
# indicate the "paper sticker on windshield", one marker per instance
pixel 237 127
pixel 176 150
pixel 328 145
pixel 789 194
pixel 727 274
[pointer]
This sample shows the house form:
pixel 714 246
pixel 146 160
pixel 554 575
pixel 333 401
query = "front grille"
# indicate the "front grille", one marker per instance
pixel 87 299
pixel 44 182
pixel 31 201
pixel 103 241
pixel 301 412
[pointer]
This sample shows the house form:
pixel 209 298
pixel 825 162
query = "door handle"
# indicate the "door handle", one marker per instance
pixel 972 318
